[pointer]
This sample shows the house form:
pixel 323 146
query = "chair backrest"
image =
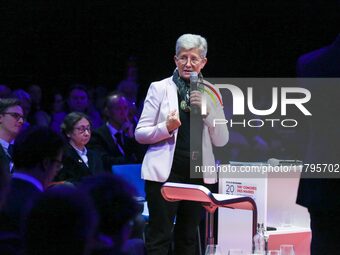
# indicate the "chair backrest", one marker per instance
pixel 132 174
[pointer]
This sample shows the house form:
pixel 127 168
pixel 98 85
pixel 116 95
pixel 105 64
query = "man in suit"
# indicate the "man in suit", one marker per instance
pixel 115 139
pixel 37 156
pixel 321 195
pixel 11 121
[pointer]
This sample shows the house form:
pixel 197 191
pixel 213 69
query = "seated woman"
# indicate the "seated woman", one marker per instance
pixel 78 161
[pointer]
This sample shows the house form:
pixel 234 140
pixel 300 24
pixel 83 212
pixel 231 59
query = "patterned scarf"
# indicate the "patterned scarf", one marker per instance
pixel 183 88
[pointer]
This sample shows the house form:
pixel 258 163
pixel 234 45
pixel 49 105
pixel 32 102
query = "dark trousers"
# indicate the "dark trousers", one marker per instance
pixel 325 228
pixel 161 227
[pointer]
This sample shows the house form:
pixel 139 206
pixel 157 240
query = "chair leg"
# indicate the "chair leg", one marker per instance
pixel 199 243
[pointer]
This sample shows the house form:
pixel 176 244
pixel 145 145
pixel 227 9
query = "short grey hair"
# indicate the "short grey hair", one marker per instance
pixel 191 41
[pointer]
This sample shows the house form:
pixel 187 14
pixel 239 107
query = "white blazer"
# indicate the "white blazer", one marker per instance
pixel 151 129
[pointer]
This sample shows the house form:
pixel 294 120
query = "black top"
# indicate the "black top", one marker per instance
pixel 182 156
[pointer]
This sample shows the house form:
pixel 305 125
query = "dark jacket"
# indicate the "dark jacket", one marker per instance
pixel 4 158
pixel 74 168
pixel 21 193
pixel 103 143
pixel 324 139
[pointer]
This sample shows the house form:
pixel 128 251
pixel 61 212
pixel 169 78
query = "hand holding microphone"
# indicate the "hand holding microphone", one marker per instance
pixel 195 94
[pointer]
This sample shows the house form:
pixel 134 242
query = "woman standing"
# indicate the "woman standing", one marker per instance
pixel 165 126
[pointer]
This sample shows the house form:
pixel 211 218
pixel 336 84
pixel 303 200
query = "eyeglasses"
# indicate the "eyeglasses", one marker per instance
pixel 15 115
pixel 60 163
pixel 183 60
pixel 82 129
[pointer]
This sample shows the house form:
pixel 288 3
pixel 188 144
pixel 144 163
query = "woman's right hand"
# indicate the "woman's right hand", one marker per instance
pixel 172 121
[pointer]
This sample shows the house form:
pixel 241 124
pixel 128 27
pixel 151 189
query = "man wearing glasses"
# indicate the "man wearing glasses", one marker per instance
pixel 11 121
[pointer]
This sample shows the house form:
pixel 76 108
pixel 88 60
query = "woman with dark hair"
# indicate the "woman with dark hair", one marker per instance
pixel 78 161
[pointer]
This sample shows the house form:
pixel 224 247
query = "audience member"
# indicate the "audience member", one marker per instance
pixel 117 209
pixel 25 100
pixel 37 115
pixel 62 221
pixel 321 196
pixel 57 111
pixel 98 97
pixel 5 91
pixel 78 161
pixel 78 101
pixel 130 89
pixel 115 140
pixel 11 121
pixel 37 156
pixel 129 85
pixel 10 125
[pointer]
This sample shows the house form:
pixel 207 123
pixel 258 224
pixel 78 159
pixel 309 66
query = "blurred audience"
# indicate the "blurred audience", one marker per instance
pixel 78 101
pixel 129 86
pixel 57 110
pixel 117 209
pixel 98 95
pixel 11 121
pixel 78 161
pixel 37 157
pixel 37 116
pixel 5 91
pixel 60 222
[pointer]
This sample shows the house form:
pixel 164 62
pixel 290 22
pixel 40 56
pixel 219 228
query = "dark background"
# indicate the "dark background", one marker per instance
pixel 54 43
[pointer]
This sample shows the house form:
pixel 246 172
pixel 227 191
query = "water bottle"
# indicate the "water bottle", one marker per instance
pixel 258 240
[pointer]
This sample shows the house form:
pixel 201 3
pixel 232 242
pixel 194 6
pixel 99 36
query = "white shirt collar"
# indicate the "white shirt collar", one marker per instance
pixel 29 178
pixel 4 143
pixel 80 153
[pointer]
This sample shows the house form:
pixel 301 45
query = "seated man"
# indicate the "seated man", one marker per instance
pixel 11 121
pixel 115 139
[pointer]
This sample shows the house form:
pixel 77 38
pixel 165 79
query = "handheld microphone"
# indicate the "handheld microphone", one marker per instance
pixel 193 86
pixel 193 81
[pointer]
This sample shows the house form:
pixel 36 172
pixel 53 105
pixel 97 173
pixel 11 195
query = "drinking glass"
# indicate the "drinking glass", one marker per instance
pixel 213 249
pixel 286 219
pixel 235 252
pixel 287 249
